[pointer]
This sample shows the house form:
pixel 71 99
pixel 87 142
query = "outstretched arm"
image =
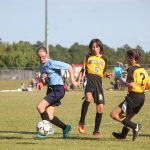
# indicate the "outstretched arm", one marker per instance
pixel 80 76
pixel 72 79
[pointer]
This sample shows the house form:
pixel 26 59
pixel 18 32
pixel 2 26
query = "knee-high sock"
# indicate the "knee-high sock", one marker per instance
pixel 125 131
pixel 128 123
pixel 44 116
pixel 84 109
pixel 56 121
pixel 98 119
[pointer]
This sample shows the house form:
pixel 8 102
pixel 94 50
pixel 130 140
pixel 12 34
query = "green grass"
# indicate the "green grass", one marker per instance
pixel 18 118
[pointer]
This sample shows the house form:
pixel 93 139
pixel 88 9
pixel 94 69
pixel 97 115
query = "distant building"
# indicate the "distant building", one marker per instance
pixel 76 68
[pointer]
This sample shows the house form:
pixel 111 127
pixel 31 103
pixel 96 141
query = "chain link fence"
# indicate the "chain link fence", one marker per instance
pixel 28 74
pixel 16 74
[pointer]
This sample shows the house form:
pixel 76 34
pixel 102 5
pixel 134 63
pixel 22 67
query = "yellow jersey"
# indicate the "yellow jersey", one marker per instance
pixel 139 76
pixel 95 65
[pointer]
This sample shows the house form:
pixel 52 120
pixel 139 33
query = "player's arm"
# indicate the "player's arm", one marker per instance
pixel 82 71
pixel 148 83
pixel 71 73
pixel 81 74
pixel 131 84
pixel 105 73
pixel 43 78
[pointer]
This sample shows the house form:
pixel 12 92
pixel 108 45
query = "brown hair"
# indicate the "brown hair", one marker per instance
pixel 42 48
pixel 134 54
pixel 98 42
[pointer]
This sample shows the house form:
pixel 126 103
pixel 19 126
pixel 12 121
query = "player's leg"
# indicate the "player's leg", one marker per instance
pixel 117 114
pixel 84 109
pixel 54 119
pixel 134 126
pixel 125 130
pixel 98 119
pixel 41 107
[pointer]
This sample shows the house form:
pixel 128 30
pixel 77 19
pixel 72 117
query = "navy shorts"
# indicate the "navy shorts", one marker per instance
pixel 54 94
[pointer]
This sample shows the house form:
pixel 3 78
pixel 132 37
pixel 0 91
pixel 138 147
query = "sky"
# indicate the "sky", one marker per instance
pixel 114 22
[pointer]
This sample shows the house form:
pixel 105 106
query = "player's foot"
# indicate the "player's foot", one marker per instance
pixel 118 135
pixel 96 134
pixel 81 128
pixel 66 131
pixel 40 136
pixel 136 131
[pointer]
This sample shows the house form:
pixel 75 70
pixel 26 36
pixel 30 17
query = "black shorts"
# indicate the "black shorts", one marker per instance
pixel 133 103
pixel 54 95
pixel 94 86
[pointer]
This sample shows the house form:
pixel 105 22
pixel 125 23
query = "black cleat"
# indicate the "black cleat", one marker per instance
pixel 118 135
pixel 136 131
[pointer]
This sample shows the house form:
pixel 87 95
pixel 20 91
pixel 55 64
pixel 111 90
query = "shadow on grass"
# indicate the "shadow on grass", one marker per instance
pixel 76 137
pixel 18 132
pixel 144 135
pixel 141 135
pixel 12 135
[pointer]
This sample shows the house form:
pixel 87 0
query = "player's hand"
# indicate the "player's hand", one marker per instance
pixel 76 84
pixel 43 77
pixel 108 75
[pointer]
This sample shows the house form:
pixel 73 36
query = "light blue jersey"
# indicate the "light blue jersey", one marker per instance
pixel 53 70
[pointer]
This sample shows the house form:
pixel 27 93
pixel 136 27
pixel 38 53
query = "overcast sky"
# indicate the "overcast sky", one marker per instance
pixel 114 22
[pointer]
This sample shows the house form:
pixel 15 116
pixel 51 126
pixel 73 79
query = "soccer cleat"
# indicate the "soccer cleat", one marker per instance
pixel 51 132
pixel 118 135
pixel 122 134
pixel 81 128
pixel 136 131
pixel 96 134
pixel 66 131
pixel 40 136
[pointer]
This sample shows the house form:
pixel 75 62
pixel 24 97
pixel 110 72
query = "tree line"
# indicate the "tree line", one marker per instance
pixel 22 54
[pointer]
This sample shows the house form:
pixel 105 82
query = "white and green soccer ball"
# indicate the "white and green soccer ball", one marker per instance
pixel 44 128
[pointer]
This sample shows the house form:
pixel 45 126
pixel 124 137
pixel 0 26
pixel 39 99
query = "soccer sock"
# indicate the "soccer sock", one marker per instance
pixel 84 109
pixel 129 123
pixel 58 123
pixel 45 116
pixel 125 131
pixel 98 119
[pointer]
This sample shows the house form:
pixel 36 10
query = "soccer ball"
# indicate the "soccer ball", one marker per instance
pixel 44 127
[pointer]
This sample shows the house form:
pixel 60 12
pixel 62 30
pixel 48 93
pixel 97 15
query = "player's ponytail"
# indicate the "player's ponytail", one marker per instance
pixel 134 54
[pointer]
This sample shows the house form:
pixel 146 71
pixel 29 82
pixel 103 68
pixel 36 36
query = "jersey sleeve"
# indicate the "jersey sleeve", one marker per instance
pixel 106 63
pixel 58 65
pixel 130 77
pixel 84 63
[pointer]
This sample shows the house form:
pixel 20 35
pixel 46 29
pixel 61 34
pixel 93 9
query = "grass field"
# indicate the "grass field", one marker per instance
pixel 18 118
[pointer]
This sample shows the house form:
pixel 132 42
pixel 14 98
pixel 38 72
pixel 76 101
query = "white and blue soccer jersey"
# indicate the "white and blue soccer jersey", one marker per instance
pixel 53 70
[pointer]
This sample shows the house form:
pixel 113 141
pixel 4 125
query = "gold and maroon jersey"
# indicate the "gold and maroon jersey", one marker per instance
pixel 139 76
pixel 95 65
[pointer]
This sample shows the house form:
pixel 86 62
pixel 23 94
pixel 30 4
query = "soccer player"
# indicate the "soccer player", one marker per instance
pixel 117 73
pixel 51 76
pixel 137 81
pixel 94 68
